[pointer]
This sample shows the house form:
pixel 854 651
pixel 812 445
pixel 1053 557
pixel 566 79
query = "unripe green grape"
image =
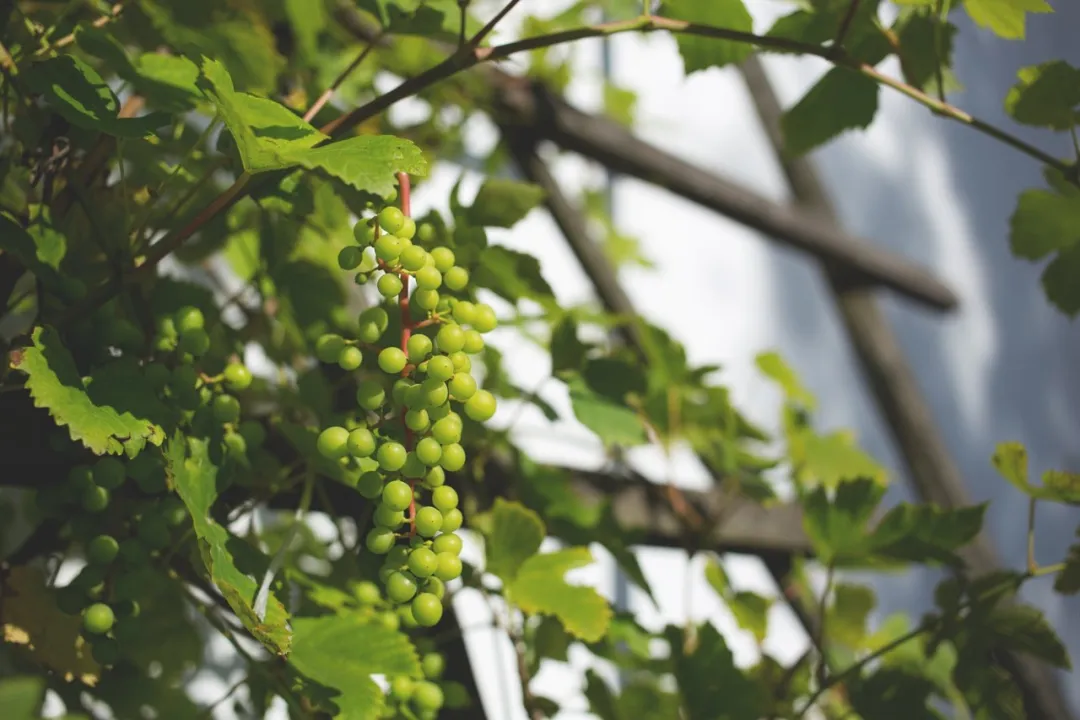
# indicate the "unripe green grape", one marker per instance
pixel 418 347
pixel 109 473
pixel 416 398
pixel 351 358
pixel 464 311
pixel 425 233
pixel 440 367
pixel 484 320
pixel 448 542
pixel 253 432
pixel 389 285
pixel 367 592
pixel 398 557
pixel 237 376
pixel 414 468
pixel 456 278
pixel 173 511
pixel 95 499
pixel 445 305
pixel 401 688
pixel 188 318
pixel 370 395
pixel 429 451
pixel 435 392
pixel 127 609
pixel 481 406
pixel 373 323
pixel 413 258
pixel 426 299
pixel 361 443
pixel 370 485
pixel 407 229
pixel 423 562
pixel 443 257
pixel 417 420
pixel 462 386
pixel 400 587
pixel 102 550
pixel 397 495
pixel 433 665
pixel 379 540
pixel 447 430
pixel 363 233
pixel 438 412
pixel 474 342
pixel 428 278
pixel 226 409
pixel 333 443
pixel 450 338
pixel 392 360
pixel 428 521
pixel 350 257
pixel 387 517
pixel 427 609
pixel 388 248
pixel 391 219
pixel 435 477
pixel 452 520
pixel 427 695
pixel 453 457
pixel 449 565
pixel 462 362
pixel 167 334
pixel 401 391
pixel 445 497
pixel 194 342
pixel 435 586
pixel 235 445
pixel 388 620
pixel 391 456
pixel 98 619
pixel 328 347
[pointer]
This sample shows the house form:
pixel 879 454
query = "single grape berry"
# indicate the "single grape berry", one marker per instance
pixel 417 420
pixel 429 451
pixel 372 324
pixel 428 278
pixel 440 367
pixel 481 406
pixel 389 285
pixel 391 219
pixel 392 360
pixel 226 409
pixel 418 347
pixel 407 229
pixel 433 665
pixel 449 567
pixel 456 278
pixel 461 361
pixel 379 540
pixel 328 347
pixel 453 457
pixel 370 395
pixel 452 520
pixel 350 257
pixel 391 456
pixel 400 587
pixel 443 257
pixel 188 318
pixel 333 443
pixel 450 338
pixel 363 233
pixel 95 499
pixel 398 557
pixel 413 258
pixel 427 609
pixel 414 468
pixel 370 485
pixel 397 495
pixel 484 319
pixel 350 358
pixel 194 342
pixel 423 562
pixel 98 619
pixel 462 386
pixel 447 430
pixel 401 688
pixel 435 392
pixel 426 299
pixel 463 312
pixel 474 342
pixel 361 443
pixel 388 248
pixel 435 477
pixel 237 376
pixel 448 542
pixel 109 473
pixel 103 549
pixel 428 521
pixel 367 593
pixel 444 498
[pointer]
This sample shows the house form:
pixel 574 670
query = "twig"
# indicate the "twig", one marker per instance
pixel 321 101
pixel 845 25
pixel 532 707
pixel 100 22
pixel 487 29
pixel 262 598
pixel 822 666
pixel 209 711
pixel 1032 566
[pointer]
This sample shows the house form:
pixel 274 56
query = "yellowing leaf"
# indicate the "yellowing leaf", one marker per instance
pixel 541 589
pixel 1005 17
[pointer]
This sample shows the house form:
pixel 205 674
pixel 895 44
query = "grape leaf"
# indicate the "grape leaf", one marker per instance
pixel 710 683
pixel 701 53
pixel 927 45
pixel 776 368
pixel 892 692
pixel 24 247
pixel 567 350
pixel 838 528
pixel 503 203
pixel 924 533
pixel 1010 460
pixel 832 459
pixel 1059 281
pixel 343 652
pixel 1023 628
pixel 195 478
pixel 751 612
pixel 113 413
pixel 1062 486
pixel 516 534
pixel 842 100
pixel 368 163
pixel 1044 221
pixel 612 422
pixel 21 697
pixel 846 617
pixel 1047 96
pixel 1004 17
pixel 540 589
pixel 512 275
pixel 1068 580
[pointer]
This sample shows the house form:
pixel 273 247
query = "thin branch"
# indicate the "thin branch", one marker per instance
pixel 100 22
pixel 845 25
pixel 329 92
pixel 487 29
pixel 1032 566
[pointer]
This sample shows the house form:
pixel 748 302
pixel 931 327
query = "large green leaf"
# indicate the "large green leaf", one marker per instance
pixel 832 459
pixel 513 275
pixel 1045 221
pixel 29 250
pixel 540 588
pixel 1061 281
pixel 21 697
pixel 1022 628
pixel 516 535
pixel 712 687
pixel 1047 96
pixel 1005 17
pixel 837 528
pixel 613 422
pixel 343 652
pixel 701 53
pixel 926 43
pixel 503 203
pixel 369 163
pixel 842 100
pixel 846 617
pixel 111 413
pixel 81 96
pixel 195 478
pixel 925 533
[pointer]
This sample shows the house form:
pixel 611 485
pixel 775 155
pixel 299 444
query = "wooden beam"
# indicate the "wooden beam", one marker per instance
pixel 895 389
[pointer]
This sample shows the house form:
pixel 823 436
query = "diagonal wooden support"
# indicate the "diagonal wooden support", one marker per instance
pixel 896 390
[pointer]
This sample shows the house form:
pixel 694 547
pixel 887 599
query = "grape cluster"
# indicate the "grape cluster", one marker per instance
pixel 116 509
pixel 408 429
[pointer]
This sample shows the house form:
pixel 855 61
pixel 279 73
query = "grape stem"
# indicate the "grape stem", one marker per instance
pixel 404 193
